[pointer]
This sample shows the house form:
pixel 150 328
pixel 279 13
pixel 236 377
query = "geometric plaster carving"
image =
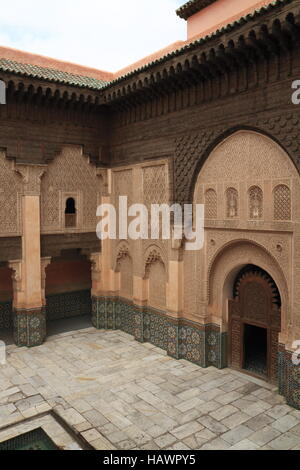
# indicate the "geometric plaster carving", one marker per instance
pixel 228 262
pixel 153 255
pixel 70 174
pixel 11 188
pixel 122 253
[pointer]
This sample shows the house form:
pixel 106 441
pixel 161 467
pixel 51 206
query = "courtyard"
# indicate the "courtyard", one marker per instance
pixel 115 393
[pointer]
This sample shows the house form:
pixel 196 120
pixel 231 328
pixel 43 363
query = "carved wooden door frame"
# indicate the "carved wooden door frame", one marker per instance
pixel 256 303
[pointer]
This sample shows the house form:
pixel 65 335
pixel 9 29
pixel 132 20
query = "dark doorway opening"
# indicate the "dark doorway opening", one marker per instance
pixel 256 350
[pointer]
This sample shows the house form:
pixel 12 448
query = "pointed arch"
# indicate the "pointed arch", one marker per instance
pixel 222 137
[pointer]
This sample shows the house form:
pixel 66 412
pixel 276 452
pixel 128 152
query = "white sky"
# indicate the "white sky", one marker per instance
pixel 105 34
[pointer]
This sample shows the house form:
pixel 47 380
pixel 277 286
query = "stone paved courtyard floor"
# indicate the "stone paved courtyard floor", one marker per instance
pixel 117 393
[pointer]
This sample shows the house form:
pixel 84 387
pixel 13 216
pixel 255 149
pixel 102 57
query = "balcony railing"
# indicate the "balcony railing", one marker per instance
pixel 70 220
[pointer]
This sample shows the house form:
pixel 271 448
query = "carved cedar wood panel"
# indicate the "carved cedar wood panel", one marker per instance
pixel 257 302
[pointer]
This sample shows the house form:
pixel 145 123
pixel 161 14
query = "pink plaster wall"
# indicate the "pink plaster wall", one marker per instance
pixel 219 14
pixel 68 276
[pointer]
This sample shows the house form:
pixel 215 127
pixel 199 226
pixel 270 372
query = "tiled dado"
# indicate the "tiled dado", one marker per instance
pixel 202 345
pixel 29 327
pixel 289 377
pixel 68 305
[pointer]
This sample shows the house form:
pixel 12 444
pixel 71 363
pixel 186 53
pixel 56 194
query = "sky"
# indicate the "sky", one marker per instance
pixel 105 34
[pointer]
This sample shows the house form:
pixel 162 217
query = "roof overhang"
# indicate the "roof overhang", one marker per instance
pixel 192 7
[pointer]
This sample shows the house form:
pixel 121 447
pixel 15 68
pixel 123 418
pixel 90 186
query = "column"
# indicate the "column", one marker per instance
pixel 104 286
pixel 29 299
pixel 175 298
pixel 96 292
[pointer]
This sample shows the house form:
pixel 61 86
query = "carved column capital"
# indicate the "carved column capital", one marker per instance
pixel 16 267
pixel 44 263
pixel 96 266
pixel 31 175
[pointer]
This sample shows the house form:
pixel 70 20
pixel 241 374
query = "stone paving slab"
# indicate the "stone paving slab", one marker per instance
pixel 120 394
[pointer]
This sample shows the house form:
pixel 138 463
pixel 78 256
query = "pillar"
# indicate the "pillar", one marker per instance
pixel 103 276
pixel 29 301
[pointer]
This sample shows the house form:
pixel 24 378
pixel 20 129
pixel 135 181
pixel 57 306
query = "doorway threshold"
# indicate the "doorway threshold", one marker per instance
pixel 258 381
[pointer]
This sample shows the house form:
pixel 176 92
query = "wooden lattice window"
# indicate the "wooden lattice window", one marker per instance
pixel 211 208
pixel 282 203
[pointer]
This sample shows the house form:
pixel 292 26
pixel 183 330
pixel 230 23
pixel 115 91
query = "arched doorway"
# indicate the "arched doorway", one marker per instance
pixel 255 323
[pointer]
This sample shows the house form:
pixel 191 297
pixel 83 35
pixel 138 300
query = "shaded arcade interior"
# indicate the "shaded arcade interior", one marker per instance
pixel 68 293
pixel 6 304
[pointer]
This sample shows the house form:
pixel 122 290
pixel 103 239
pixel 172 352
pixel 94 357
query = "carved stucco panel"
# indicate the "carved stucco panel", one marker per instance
pixel 192 149
pixel 122 185
pixel 156 191
pixel 247 156
pixel 227 263
pixel 11 188
pixel 278 245
pixel 242 160
pixel 70 173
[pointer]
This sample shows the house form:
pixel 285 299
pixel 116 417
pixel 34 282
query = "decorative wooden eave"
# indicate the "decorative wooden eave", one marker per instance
pixel 32 82
pixel 269 31
pixel 192 7
pixel 39 91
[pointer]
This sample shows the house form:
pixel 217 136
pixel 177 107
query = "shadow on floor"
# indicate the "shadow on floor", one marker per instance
pixel 68 324
pixel 7 337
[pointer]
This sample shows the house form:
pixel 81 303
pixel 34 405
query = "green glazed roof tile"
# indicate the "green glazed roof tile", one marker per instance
pixel 66 78
pixel 49 74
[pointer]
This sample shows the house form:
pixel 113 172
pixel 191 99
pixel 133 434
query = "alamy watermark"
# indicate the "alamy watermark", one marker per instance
pixel 2 353
pixel 2 92
pixel 296 355
pixel 296 93
pixel 161 221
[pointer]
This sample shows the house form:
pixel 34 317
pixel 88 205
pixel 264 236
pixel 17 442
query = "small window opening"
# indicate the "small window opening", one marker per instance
pixel 70 213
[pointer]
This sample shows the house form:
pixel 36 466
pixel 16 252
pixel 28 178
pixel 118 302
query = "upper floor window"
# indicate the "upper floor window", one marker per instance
pixel 211 204
pixel 70 213
pixel 255 203
pixel 232 203
pixel 282 203
pixel 2 92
